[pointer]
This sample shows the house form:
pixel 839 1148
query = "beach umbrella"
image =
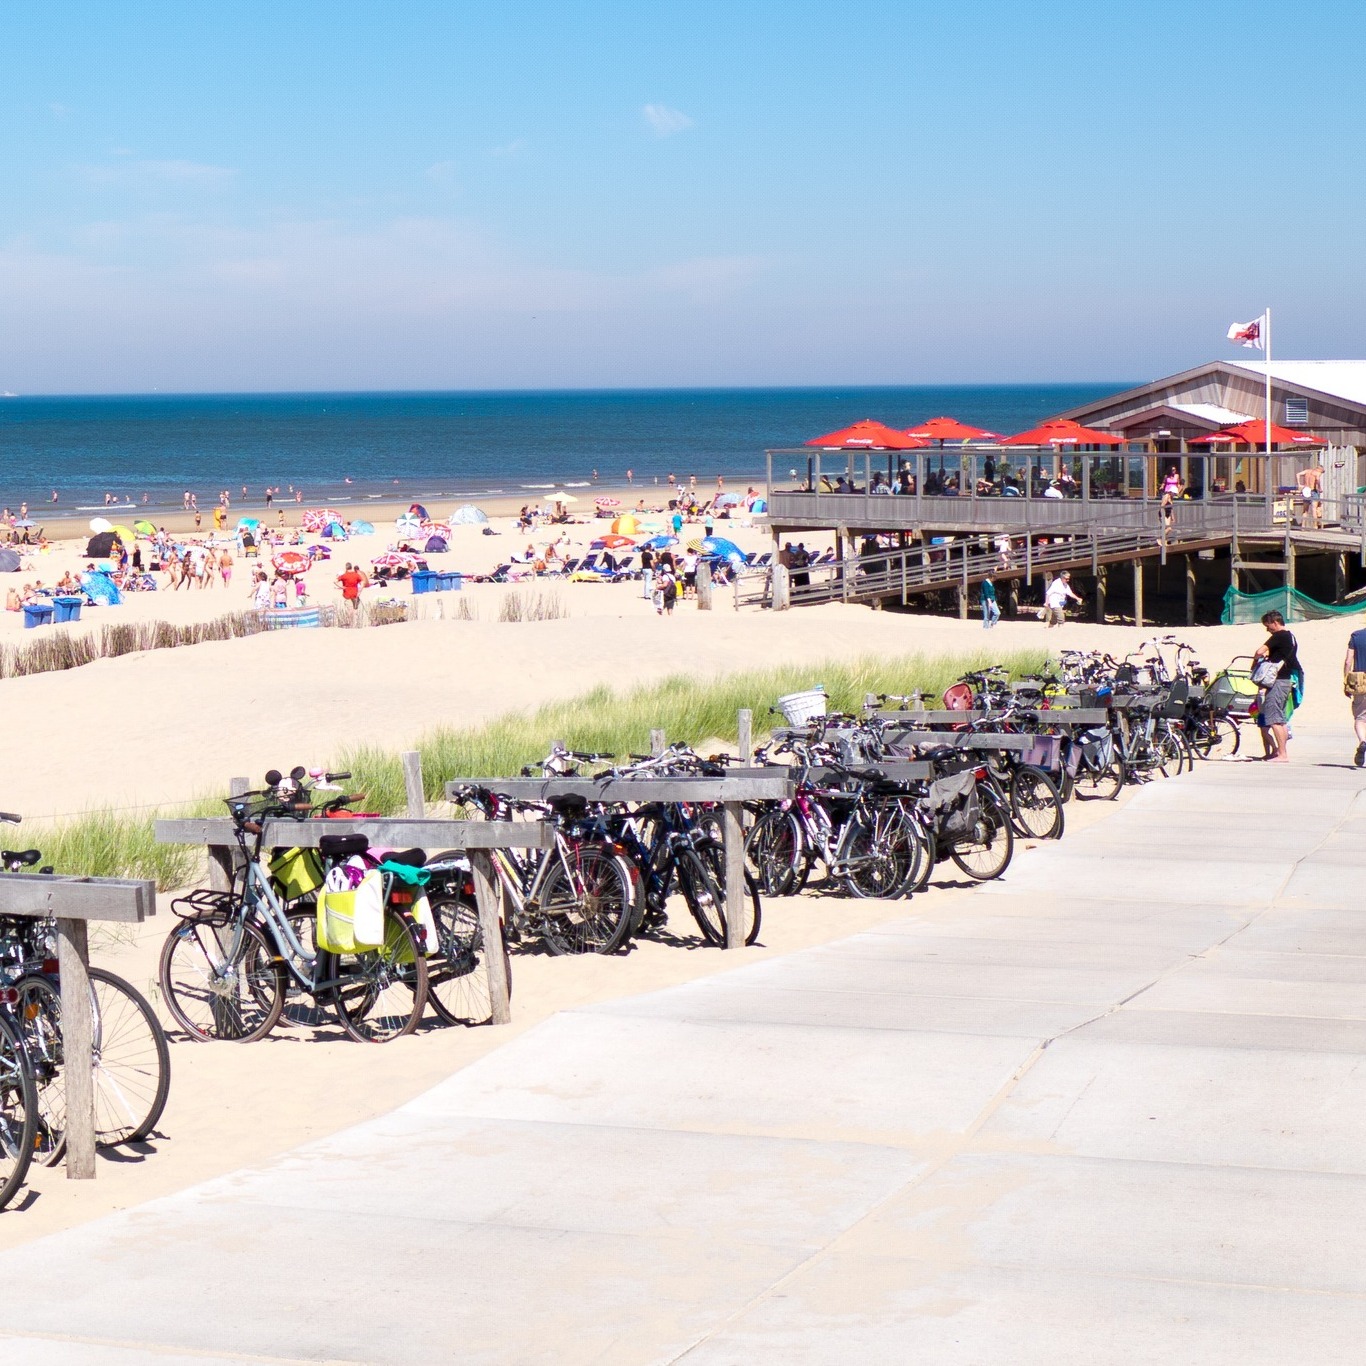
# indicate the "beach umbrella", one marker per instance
pixel 943 429
pixel 27 521
pixel 396 559
pixel 408 525
pixel 868 435
pixel 418 511
pixel 100 546
pixel 607 502
pixel 469 515
pixel 362 529
pixel 626 525
pixel 144 528
pixel 125 534
pixel 250 523
pixel 1062 431
pixel 614 542
pixel 1253 433
pixel 721 548
pixel 290 562
pixel 9 561
pixel 662 542
pixel 728 500
pixel 318 552
pixel 560 496
pixel 98 524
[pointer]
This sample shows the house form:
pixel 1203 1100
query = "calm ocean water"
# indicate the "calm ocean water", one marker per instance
pixel 451 444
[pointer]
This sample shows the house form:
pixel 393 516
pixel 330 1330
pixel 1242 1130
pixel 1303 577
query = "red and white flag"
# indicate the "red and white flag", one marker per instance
pixel 1250 334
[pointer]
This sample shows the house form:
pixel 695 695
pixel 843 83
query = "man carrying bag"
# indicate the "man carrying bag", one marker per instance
pixel 1354 686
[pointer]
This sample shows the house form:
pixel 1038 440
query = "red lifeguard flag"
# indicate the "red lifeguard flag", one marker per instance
pixel 1249 334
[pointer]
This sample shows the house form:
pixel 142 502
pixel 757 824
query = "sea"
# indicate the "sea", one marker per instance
pixel 150 450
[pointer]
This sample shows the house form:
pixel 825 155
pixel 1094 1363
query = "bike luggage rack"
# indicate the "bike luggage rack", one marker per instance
pixel 737 786
pixel 476 838
pixel 73 902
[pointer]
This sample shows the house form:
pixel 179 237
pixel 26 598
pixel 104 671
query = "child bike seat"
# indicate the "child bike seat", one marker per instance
pixel 342 846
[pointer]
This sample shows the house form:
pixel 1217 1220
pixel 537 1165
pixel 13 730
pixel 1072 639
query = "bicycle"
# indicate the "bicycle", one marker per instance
pixel 224 969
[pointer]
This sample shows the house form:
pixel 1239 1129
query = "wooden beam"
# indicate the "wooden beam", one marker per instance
pixel 739 785
pixel 412 783
pixel 491 928
pixel 78 1056
pixel 744 733
pixel 129 901
pixel 733 840
pixel 1190 590
pixel 393 833
pixel 1138 592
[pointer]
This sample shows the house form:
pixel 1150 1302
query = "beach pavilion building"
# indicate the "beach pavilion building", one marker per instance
pixel 1095 498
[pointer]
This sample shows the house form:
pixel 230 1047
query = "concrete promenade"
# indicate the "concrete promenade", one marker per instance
pixel 1112 1109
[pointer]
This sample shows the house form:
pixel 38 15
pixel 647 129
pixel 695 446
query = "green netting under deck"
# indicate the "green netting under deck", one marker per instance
pixel 1244 608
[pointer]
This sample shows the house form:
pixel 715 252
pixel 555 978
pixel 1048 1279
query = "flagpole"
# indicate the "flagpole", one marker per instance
pixel 1267 316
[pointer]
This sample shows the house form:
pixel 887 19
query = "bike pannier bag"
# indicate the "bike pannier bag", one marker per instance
pixel 297 872
pixel 351 921
pixel 956 806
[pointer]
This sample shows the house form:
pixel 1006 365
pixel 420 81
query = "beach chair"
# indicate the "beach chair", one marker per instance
pixel 590 563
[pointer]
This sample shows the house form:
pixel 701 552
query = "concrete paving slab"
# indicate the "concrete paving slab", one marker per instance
pixel 1214 1106
pixel 1155 878
pixel 1253 995
pixel 1225 1030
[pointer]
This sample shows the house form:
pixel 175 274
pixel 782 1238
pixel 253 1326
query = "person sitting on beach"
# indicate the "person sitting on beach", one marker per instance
pixel 14 600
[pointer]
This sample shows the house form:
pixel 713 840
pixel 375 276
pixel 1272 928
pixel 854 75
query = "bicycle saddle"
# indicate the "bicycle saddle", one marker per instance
pixel 26 857
pixel 342 846
pixel 414 858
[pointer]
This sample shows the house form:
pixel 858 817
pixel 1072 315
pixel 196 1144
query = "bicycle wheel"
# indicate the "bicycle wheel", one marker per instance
pixel 986 854
pixel 1170 755
pixel 301 1007
pixel 458 973
pixel 1218 738
pixel 18 1111
pixel 214 997
pixel 588 909
pixel 702 880
pixel 132 1061
pixel 1035 804
pixel 380 993
pixel 879 854
pixel 775 853
pixel 1099 782
pixel 38 1010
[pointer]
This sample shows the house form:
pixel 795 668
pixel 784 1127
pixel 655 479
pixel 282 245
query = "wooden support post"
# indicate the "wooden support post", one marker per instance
pixel 1138 592
pixel 1029 559
pixel 78 1065
pixel 1102 575
pixel 657 742
pixel 962 602
pixel 733 836
pixel 904 555
pixel 491 926
pixel 1339 576
pixel 782 588
pixel 744 736
pixel 412 783
pixel 704 585
pixel 1190 590
pixel 223 857
pixel 1289 565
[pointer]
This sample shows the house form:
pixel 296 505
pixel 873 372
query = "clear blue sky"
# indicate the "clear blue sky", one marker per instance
pixel 340 195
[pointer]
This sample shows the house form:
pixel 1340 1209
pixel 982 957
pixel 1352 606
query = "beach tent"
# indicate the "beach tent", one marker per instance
pixel 100 546
pixel 868 435
pixel 469 515
pixel 335 531
pixel 9 562
pixel 101 588
pixel 436 545
pixel 626 525
pixel 408 525
pixel 759 505
pixel 362 529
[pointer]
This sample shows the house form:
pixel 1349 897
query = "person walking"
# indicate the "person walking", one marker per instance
pixel 1277 671
pixel 352 581
pixel 647 572
pixel 1055 599
pixel 991 609
pixel 1354 685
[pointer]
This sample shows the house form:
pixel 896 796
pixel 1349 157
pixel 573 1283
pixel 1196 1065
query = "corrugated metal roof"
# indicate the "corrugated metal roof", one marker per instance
pixel 1340 378
pixel 1211 412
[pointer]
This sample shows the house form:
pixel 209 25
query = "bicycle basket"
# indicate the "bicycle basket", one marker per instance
pixel 297 872
pixel 956 806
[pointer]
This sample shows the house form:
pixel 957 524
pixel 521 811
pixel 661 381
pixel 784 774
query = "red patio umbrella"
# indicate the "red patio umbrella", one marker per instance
pixel 948 429
pixel 1253 433
pixel 1062 431
pixel 868 435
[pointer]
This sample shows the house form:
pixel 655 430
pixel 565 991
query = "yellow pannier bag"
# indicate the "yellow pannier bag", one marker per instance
pixel 297 872
pixel 340 913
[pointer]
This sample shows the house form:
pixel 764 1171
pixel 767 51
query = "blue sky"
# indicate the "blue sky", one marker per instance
pixel 416 195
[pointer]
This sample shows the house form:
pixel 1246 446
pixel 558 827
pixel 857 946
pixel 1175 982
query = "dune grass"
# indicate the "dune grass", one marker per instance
pixel 109 843
pixel 684 707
